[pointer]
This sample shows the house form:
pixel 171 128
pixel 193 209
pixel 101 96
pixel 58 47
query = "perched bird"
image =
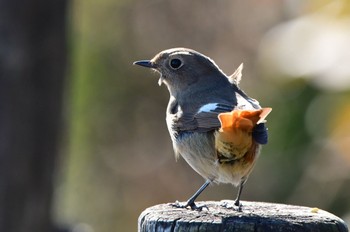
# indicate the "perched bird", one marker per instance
pixel 212 123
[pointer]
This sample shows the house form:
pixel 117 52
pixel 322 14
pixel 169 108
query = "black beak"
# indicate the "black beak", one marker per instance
pixel 145 63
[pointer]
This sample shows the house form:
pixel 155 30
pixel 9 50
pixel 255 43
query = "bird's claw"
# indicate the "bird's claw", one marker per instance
pixel 192 205
pixel 237 206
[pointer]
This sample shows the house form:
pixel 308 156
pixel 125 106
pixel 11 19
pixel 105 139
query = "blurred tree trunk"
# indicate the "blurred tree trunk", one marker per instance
pixel 32 69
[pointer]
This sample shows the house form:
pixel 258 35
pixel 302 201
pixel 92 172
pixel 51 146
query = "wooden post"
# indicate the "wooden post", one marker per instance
pixel 254 217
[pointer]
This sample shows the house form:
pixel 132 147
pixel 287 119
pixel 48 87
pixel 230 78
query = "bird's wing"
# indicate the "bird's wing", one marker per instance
pixel 207 116
pixel 203 119
pixel 206 119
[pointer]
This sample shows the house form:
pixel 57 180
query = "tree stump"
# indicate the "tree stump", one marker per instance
pixel 253 217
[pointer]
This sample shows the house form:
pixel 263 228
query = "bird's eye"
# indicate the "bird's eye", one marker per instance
pixel 175 63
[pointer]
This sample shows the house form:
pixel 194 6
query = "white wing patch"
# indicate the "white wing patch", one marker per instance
pixel 208 107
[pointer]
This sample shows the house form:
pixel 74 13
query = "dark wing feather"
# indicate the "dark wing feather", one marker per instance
pixel 208 120
pixel 199 120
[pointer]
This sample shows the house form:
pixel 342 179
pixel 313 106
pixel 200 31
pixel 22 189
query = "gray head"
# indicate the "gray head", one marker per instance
pixel 182 68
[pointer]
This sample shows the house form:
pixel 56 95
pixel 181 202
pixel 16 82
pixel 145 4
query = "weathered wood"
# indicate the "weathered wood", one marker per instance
pixel 254 217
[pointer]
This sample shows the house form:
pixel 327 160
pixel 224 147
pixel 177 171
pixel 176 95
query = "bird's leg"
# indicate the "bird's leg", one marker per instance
pixel 237 203
pixel 192 199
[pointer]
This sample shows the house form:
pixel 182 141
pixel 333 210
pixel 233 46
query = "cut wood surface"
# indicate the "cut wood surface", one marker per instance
pixel 253 217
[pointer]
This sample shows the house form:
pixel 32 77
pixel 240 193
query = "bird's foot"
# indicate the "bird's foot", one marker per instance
pixel 237 206
pixel 193 206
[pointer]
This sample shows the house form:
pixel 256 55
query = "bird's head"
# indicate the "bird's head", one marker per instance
pixel 182 68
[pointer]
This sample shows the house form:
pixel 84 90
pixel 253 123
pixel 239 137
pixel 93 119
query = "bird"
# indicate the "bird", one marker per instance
pixel 213 124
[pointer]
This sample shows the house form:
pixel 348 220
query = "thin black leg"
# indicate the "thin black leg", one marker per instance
pixel 192 199
pixel 237 203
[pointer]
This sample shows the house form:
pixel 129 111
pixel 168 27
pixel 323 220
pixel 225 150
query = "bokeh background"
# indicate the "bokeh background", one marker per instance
pixel 116 157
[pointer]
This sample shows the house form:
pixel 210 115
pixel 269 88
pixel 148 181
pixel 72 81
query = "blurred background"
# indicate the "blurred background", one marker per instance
pixel 111 152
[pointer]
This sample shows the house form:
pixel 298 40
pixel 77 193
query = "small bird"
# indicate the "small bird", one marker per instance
pixel 212 123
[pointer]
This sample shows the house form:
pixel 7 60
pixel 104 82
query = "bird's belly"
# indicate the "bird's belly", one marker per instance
pixel 199 151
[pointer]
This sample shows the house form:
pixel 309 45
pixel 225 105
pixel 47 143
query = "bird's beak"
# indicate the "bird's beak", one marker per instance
pixel 145 63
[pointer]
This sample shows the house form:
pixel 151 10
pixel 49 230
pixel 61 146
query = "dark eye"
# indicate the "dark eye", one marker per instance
pixel 175 63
